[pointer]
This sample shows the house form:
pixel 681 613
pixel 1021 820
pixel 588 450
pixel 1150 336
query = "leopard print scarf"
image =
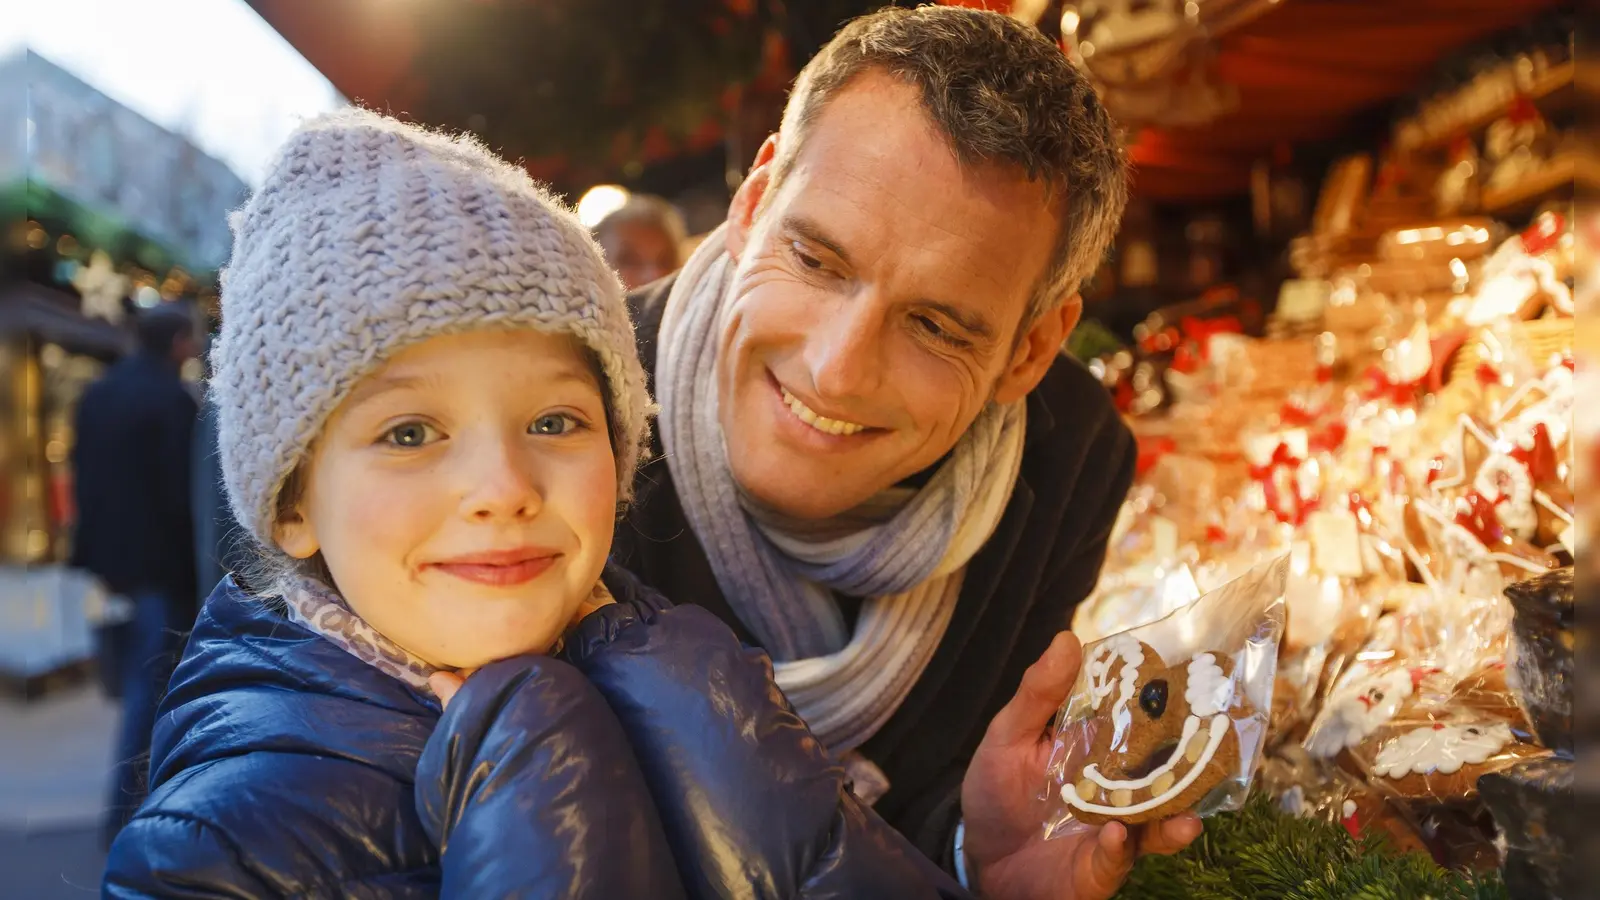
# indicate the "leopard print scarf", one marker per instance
pixel 318 608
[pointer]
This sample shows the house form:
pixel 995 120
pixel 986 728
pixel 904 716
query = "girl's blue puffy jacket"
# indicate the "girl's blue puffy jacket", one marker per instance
pixel 655 759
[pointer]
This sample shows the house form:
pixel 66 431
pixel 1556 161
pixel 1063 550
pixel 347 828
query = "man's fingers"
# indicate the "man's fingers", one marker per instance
pixel 1170 835
pixel 1044 685
pixel 1110 860
pixel 445 685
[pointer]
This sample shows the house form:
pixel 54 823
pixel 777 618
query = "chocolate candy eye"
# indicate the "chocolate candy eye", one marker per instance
pixel 1153 698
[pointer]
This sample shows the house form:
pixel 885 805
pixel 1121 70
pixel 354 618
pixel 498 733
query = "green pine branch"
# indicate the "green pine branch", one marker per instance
pixel 1261 853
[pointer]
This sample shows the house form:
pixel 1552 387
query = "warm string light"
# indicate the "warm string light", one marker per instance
pixel 600 201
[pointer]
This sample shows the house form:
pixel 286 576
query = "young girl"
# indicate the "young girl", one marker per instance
pixel 429 411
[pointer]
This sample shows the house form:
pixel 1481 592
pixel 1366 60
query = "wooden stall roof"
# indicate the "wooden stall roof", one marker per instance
pixel 1303 72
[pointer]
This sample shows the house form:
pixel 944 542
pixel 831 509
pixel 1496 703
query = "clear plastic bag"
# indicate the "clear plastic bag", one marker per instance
pixel 1172 715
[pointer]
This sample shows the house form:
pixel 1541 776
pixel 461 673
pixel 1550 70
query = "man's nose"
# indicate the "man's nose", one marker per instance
pixel 844 349
pixel 502 481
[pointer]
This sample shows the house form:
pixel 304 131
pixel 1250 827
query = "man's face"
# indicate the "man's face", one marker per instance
pixel 640 252
pixel 876 304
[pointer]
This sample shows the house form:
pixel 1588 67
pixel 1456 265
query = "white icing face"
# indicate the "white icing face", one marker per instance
pixel 1209 691
pixel 1357 711
pixel 1508 484
pixel 1441 748
pixel 1502 296
pixel 1411 357
pixel 1118 646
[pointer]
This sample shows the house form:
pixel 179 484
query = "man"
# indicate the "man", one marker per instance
pixel 220 545
pixel 135 530
pixel 642 240
pixel 875 462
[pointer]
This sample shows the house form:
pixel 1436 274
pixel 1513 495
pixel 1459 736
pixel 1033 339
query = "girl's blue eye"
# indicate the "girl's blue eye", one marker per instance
pixel 552 425
pixel 411 434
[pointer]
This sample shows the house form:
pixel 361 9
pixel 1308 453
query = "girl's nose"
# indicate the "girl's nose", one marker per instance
pixel 502 485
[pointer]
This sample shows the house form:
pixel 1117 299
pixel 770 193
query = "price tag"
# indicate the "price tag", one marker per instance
pixel 1336 542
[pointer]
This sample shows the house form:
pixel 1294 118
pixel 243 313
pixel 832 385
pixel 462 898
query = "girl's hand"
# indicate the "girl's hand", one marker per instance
pixel 445 684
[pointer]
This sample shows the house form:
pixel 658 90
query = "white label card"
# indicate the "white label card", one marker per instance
pixel 1164 535
pixel 1336 542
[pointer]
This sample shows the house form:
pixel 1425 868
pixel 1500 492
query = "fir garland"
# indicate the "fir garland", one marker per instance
pixel 1262 853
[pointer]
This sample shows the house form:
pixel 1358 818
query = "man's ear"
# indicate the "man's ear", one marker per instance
pixel 1038 350
pixel 747 199
pixel 295 536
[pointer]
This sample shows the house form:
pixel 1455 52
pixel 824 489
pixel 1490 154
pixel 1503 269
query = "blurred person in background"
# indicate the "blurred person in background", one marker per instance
pixel 220 547
pixel 643 240
pixel 135 529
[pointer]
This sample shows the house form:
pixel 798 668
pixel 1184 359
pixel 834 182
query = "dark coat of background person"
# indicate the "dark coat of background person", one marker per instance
pixel 1020 589
pixel 131 468
pixel 285 766
pixel 221 547
pixel 135 532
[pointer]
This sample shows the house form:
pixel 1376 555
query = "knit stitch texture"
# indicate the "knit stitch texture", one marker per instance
pixel 370 235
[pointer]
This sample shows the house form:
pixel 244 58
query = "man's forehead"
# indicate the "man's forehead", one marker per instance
pixel 875 175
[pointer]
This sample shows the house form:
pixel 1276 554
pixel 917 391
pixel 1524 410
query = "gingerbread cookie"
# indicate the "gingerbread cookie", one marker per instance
pixel 1163 735
pixel 1366 697
pixel 1444 759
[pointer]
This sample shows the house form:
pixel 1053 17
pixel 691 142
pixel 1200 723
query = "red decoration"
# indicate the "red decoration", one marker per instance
pixel 1544 234
pixel 1151 450
pixel 1329 438
pixel 1478 517
pixel 1295 414
pixel 1487 374
pixel 1352 824
pixel 1379 387
pixel 1540 457
pixel 1522 111
pixel 1284 500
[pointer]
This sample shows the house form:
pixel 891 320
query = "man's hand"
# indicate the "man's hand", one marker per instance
pixel 1005 846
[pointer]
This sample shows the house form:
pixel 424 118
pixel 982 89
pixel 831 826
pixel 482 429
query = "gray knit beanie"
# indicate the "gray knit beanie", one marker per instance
pixel 367 236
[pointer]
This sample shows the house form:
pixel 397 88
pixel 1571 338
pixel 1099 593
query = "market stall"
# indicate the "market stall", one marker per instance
pixel 1401 429
pixel 111 214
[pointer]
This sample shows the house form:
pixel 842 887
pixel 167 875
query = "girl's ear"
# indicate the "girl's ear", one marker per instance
pixel 294 535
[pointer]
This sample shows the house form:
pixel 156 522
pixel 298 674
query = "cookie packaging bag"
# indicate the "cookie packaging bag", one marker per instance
pixel 1172 715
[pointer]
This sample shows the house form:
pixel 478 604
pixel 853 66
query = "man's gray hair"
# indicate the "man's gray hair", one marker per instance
pixel 1003 94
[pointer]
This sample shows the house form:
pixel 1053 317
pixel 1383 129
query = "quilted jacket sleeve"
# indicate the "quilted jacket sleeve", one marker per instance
pixel 263 824
pixel 530 789
pixel 753 804
pixel 162 856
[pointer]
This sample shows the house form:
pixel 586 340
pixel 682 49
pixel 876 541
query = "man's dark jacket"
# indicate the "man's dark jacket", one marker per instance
pixel 1020 589
pixel 131 464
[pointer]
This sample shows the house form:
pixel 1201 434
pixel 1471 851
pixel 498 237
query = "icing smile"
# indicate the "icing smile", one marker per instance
pixel 1135 795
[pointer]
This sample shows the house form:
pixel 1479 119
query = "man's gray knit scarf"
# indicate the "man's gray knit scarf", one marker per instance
pixel 905 552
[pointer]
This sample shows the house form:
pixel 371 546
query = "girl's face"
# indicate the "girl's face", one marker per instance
pixel 463 495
